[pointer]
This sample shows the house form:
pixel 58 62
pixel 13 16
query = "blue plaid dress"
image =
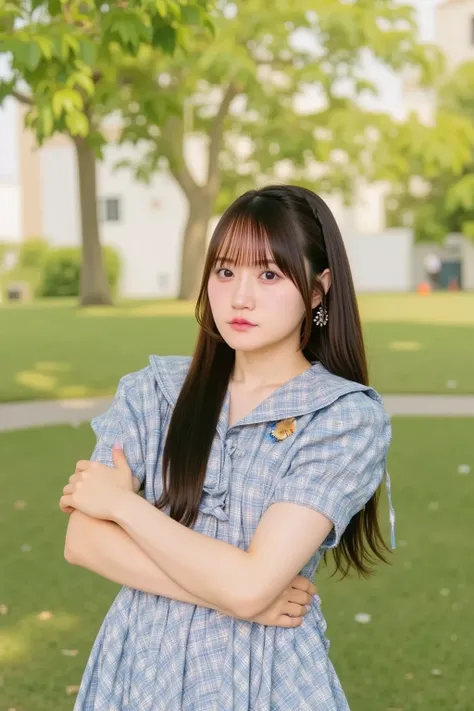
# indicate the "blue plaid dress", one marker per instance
pixel 157 654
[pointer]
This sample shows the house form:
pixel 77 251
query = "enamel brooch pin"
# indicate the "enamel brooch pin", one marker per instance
pixel 282 429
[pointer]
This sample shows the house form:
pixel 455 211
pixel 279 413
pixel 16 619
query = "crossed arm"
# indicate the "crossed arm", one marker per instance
pixel 145 549
pixel 104 548
pixel 243 582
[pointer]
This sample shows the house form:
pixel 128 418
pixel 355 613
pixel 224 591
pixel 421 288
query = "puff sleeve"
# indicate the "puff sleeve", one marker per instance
pixel 122 423
pixel 340 463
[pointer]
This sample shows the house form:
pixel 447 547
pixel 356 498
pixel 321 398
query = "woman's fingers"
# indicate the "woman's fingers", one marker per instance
pixel 64 507
pixel 65 501
pixel 302 583
pixel 300 596
pixel 299 599
pixel 285 621
pixel 296 610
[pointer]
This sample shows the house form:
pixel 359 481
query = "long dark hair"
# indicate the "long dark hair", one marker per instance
pixel 294 223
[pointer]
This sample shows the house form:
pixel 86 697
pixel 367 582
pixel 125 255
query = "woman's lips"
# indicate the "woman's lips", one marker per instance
pixel 241 325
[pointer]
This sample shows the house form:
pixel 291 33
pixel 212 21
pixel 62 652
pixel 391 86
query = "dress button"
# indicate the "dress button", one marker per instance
pixel 230 447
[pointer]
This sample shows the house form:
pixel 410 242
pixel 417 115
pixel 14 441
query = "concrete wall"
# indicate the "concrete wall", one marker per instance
pixel 381 262
pixel 468 264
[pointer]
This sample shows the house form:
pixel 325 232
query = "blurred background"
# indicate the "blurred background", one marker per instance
pixel 126 128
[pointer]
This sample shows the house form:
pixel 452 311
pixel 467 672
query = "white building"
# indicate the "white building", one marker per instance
pixel 454 28
pixel 10 189
pixel 10 210
pixel 454 35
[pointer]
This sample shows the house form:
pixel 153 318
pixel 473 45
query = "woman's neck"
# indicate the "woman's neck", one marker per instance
pixel 254 371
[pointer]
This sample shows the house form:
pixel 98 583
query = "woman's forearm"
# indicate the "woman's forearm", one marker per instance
pixel 106 549
pixel 226 575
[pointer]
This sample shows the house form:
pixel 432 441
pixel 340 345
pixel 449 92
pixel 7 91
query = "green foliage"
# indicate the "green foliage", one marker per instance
pixel 62 271
pixel 442 155
pixel 33 253
pixel 248 81
pixel 69 55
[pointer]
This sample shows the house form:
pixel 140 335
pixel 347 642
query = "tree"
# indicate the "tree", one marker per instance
pixel 435 190
pixel 66 59
pixel 242 94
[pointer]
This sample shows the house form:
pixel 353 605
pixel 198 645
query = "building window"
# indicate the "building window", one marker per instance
pixel 109 209
pixel 163 281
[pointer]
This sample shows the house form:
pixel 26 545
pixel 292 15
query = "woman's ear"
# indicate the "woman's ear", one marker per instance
pixel 325 280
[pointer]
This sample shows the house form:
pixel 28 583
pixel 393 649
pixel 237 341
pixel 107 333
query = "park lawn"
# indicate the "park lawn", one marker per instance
pixel 52 349
pixel 415 654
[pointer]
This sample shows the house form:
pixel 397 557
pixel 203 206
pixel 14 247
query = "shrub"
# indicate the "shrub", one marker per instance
pixel 33 253
pixel 62 271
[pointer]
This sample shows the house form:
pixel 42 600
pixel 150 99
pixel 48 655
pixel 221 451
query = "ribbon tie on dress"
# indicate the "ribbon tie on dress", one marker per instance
pixel 213 503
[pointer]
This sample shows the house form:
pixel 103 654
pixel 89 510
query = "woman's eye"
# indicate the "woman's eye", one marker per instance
pixel 273 275
pixel 224 272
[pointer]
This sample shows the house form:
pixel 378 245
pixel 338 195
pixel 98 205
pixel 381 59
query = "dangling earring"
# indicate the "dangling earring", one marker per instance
pixel 321 316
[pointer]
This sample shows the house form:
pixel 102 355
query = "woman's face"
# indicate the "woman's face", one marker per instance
pixel 263 296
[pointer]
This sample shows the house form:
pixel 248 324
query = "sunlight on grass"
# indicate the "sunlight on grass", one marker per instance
pixel 13 646
pixel 100 311
pixel 36 381
pixel 448 309
pixel 153 309
pixel 39 381
pixel 73 391
pixel 405 346
pixel 58 350
pixel 60 302
pixel 52 367
pixel 172 308
pixel 19 640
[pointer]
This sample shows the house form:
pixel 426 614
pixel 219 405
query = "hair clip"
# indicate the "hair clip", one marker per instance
pixel 282 429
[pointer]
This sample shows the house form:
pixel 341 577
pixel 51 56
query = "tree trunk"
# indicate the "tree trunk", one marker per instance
pixel 194 246
pixel 94 289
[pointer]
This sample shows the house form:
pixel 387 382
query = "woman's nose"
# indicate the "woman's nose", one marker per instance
pixel 243 293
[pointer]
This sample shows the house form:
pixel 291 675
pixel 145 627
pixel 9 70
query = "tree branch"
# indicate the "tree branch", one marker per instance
pixel 172 144
pixel 216 134
pixel 27 100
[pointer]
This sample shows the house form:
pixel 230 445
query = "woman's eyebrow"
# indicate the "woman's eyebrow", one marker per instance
pixel 225 260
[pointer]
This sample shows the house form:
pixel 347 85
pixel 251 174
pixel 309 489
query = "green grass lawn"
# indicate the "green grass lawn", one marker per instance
pixel 414 655
pixel 52 349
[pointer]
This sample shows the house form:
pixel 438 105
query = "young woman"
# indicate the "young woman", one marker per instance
pixel 256 456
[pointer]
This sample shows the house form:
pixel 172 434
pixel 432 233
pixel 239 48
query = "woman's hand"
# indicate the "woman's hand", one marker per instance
pixel 94 487
pixel 290 608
